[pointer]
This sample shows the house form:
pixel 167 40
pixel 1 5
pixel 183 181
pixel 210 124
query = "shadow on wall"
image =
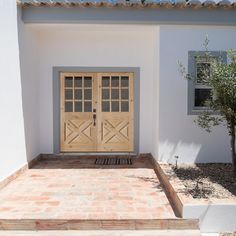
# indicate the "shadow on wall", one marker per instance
pixel 209 151
pixel 29 63
pixel 170 150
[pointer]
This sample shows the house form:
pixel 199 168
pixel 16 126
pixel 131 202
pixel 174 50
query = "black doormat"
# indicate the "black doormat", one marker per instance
pixel 113 161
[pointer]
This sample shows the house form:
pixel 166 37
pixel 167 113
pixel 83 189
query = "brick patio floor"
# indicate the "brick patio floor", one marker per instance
pixel 74 188
pixel 106 233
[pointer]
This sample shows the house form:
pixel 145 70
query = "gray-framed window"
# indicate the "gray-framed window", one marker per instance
pixel 198 65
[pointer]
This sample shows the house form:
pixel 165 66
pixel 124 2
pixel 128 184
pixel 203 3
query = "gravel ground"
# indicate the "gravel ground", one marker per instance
pixel 208 180
pixel 228 234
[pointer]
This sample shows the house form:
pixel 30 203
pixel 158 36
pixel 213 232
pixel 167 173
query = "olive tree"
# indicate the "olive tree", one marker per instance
pixel 221 105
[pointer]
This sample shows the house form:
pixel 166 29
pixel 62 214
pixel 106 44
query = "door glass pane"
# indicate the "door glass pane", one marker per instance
pixel 68 82
pixel 115 81
pixel 88 82
pixel 68 106
pixel 124 94
pixel 115 93
pixel 68 94
pixel 105 94
pixel 88 94
pixel 78 82
pixel 124 81
pixel 87 106
pixel 78 106
pixel 78 94
pixel 115 106
pixel 105 106
pixel 125 106
pixel 105 81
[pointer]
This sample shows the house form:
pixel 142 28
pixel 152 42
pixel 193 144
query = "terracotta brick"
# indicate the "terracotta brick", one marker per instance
pixel 4 209
pixel 50 203
pixel 76 189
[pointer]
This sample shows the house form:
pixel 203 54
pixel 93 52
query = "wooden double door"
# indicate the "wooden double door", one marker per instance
pixel 97 112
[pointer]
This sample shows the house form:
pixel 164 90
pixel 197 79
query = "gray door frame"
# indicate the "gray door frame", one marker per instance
pixel 56 98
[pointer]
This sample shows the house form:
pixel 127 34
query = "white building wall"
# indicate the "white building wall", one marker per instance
pixel 97 46
pixel 165 128
pixel 12 138
pixel 213 217
pixel 29 65
pixel 178 135
pixel 156 81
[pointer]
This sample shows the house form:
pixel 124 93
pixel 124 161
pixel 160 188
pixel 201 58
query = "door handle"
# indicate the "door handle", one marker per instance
pixel 94 119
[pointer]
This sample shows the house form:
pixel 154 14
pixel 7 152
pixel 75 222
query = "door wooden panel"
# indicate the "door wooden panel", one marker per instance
pixel 115 124
pixel 97 112
pixel 78 131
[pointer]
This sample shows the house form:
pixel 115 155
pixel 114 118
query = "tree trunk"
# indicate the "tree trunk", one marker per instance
pixel 232 143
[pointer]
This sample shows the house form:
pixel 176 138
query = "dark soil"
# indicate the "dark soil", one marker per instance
pixel 208 180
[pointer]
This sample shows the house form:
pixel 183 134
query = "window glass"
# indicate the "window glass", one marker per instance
pixel 200 68
pixel 68 94
pixel 78 81
pixel 78 94
pixel 78 106
pixel 88 94
pixel 124 94
pixel 105 81
pixel 68 106
pixel 201 96
pixel 115 81
pixel 87 106
pixel 124 106
pixel 203 71
pixel 68 81
pixel 124 81
pixel 87 82
pixel 115 106
pixel 105 106
pixel 115 93
pixel 105 94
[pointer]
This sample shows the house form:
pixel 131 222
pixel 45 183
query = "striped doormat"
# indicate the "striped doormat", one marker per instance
pixel 113 161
